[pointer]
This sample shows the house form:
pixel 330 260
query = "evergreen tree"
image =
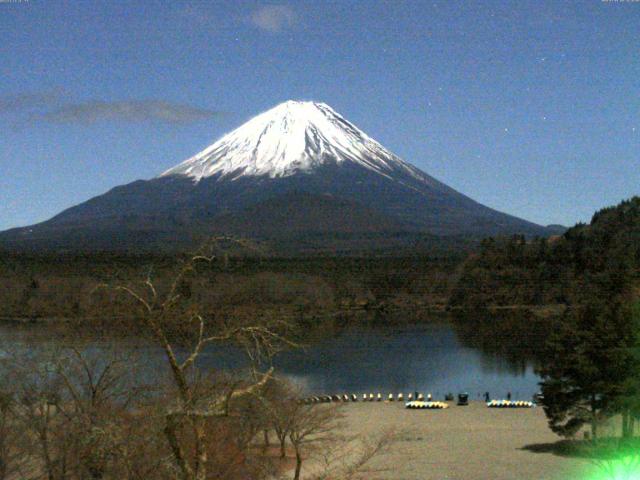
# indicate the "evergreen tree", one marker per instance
pixel 589 366
pixel 628 402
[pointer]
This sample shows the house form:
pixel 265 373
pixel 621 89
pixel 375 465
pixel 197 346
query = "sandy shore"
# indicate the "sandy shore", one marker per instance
pixel 464 443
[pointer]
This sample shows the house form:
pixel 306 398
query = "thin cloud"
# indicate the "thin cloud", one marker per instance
pixel 274 18
pixel 55 106
pixel 29 101
pixel 127 111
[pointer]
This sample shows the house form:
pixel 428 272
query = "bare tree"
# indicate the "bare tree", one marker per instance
pixel 351 458
pixel 76 410
pixel 98 393
pixel 12 460
pixel 279 399
pixel 310 426
pixel 39 391
pixel 281 422
pixel 315 432
pixel 183 333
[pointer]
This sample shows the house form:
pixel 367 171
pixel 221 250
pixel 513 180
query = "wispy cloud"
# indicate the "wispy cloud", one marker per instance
pixel 56 107
pixel 274 18
pixel 127 111
pixel 21 102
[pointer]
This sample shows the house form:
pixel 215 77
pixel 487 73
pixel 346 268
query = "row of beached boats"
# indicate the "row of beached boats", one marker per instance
pixel 413 401
pixel 367 397
pixel 510 404
pixel 417 404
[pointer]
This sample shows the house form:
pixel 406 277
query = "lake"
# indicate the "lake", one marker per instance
pixel 431 358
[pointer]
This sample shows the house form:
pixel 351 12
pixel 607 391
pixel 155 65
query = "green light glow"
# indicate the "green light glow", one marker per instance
pixel 626 467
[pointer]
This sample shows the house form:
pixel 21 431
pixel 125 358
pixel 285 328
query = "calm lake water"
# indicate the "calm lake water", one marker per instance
pixel 426 358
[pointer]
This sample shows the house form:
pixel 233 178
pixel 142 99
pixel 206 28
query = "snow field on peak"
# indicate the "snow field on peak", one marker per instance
pixel 290 138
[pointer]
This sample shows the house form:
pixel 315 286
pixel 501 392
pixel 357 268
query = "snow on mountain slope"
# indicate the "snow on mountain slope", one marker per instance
pixel 290 138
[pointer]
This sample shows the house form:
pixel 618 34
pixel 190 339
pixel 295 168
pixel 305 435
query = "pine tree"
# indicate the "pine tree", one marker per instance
pixel 588 367
pixel 628 402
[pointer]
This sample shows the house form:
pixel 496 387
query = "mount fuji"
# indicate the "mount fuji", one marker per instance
pixel 299 173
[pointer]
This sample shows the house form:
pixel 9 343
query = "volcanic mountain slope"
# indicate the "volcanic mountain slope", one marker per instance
pixel 297 169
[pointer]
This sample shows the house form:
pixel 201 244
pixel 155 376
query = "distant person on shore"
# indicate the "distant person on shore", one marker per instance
pixel 486 397
pixel 508 395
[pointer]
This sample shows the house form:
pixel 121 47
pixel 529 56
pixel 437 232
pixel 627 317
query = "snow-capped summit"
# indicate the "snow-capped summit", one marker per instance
pixel 291 137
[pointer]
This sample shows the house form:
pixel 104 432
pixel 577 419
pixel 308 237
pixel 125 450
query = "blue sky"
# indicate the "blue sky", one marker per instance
pixel 530 107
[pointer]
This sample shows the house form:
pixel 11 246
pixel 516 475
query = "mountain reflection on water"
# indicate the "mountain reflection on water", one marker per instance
pixel 463 354
pixel 434 358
